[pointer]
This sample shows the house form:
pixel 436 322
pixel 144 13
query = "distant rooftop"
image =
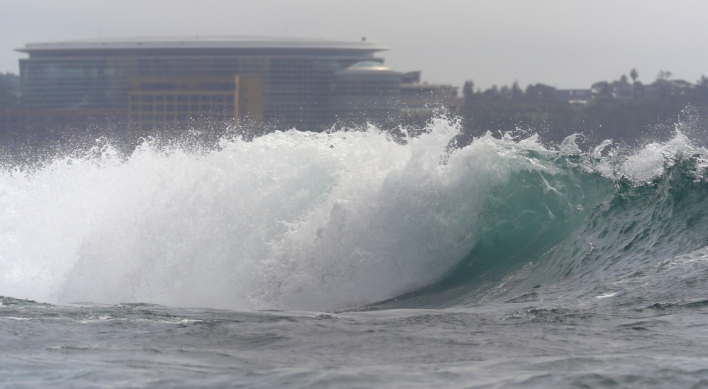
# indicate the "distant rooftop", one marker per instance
pixel 196 42
pixel 369 66
pixel 369 70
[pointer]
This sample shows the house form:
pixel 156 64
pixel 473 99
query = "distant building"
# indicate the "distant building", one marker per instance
pixel 293 78
pixel 50 124
pixel 11 82
pixel 575 96
pixel 161 103
pixel 366 91
pixel 411 77
pixel 423 99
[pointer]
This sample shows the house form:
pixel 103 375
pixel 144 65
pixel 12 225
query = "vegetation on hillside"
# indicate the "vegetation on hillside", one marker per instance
pixel 624 110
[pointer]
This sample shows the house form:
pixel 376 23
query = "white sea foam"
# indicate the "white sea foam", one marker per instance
pixel 289 220
pixel 650 161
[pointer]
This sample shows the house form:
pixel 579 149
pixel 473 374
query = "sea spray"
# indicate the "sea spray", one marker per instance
pixel 294 220
pixel 291 219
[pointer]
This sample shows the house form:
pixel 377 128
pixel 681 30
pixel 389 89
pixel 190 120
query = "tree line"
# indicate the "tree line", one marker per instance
pixel 625 110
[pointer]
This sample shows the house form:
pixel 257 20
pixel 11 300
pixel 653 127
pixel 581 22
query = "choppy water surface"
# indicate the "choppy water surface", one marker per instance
pixel 355 260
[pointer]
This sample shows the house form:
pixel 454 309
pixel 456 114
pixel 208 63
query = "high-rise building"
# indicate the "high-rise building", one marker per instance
pixel 291 81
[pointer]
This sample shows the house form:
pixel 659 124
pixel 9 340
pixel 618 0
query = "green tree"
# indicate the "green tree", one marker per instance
pixel 516 92
pixel 663 76
pixel 468 91
pixel 541 92
pixel 652 110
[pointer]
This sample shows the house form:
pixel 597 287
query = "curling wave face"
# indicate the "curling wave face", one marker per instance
pixel 308 221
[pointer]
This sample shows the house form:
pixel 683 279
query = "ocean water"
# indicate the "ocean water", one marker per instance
pixel 357 259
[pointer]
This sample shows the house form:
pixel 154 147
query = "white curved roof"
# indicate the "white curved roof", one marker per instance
pixel 369 65
pixel 223 42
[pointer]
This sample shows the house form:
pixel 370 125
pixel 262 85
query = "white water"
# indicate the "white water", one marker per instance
pixel 290 220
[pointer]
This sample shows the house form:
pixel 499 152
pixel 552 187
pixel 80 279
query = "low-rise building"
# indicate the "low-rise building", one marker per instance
pixel 420 99
pixel 575 96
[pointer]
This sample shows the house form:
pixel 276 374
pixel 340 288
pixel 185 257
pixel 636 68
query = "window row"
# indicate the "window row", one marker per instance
pixel 180 107
pixel 178 117
pixel 182 98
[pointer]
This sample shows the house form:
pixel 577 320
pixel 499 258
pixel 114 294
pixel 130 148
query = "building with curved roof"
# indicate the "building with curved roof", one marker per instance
pixel 294 76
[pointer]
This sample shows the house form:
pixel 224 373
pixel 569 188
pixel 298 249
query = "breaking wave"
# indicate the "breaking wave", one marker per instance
pixel 323 221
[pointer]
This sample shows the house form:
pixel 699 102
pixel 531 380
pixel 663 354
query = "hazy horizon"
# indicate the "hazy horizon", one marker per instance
pixel 559 43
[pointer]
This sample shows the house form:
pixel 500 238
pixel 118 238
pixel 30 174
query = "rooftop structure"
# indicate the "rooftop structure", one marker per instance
pixel 575 96
pixel 203 43
pixel 295 76
pixel 423 99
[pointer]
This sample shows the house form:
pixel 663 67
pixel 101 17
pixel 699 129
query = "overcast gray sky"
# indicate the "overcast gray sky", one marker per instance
pixel 564 43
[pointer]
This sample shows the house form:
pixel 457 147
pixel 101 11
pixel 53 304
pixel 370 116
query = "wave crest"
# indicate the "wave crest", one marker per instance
pixel 312 221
